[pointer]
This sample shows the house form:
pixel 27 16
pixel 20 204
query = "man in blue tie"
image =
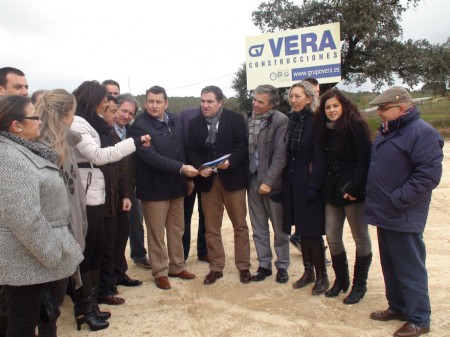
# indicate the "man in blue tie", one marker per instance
pixel 127 110
pixel 129 222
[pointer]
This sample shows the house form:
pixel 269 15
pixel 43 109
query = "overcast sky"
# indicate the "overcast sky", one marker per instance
pixel 178 44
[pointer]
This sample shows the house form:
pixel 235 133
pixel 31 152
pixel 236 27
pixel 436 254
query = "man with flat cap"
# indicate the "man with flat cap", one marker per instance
pixel 406 165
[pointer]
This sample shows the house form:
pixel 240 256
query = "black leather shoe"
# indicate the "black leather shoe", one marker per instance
pixel 129 282
pixel 245 276
pixel 261 274
pixel 282 275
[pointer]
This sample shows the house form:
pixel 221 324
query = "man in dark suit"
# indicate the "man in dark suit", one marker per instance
pixel 189 202
pixel 127 107
pixel 214 133
pixel 127 110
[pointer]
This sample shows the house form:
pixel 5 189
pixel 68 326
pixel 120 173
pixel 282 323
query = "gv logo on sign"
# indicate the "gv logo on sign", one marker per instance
pixel 256 50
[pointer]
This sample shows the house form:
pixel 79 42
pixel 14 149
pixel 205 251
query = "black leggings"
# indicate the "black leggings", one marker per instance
pixel 95 239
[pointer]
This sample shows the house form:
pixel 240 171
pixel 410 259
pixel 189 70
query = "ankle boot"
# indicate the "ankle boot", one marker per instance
pixel 361 272
pixel 84 309
pixel 318 256
pixel 103 315
pixel 308 275
pixel 89 317
pixel 342 282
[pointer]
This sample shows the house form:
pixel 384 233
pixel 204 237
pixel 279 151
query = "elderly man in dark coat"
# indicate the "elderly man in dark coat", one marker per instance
pixel 398 199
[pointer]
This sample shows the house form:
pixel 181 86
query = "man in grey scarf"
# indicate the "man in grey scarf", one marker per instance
pixel 267 134
pixel 214 133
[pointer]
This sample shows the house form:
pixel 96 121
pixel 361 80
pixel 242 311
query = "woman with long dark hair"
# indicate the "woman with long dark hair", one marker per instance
pixel 345 136
pixel 91 153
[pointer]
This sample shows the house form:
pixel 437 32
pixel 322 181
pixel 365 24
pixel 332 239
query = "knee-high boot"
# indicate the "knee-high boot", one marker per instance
pixel 95 276
pixel 318 256
pixel 308 275
pixel 360 275
pixel 342 282
pixel 84 308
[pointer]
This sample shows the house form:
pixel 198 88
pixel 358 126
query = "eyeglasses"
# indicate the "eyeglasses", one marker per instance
pixel 383 108
pixel 35 118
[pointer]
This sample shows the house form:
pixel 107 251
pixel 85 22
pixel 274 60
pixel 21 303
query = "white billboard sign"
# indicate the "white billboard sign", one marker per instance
pixel 284 58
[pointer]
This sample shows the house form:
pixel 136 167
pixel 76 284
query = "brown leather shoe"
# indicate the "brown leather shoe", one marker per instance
pixel 204 258
pixel 212 277
pixel 245 276
pixel 111 300
pixel 387 315
pixel 185 275
pixel 162 282
pixel 411 330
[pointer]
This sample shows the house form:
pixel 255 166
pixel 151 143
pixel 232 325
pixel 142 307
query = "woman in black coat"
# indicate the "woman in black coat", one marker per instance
pixel 302 184
pixel 345 136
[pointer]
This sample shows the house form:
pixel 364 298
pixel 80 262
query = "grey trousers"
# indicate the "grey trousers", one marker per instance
pixel 261 209
pixel 334 227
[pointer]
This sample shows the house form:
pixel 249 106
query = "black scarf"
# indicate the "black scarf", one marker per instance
pixel 296 127
pixel 37 148
pixel 108 136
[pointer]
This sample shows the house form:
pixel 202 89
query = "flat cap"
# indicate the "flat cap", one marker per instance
pixel 395 94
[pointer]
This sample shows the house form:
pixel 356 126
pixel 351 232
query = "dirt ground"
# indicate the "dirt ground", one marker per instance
pixel 229 308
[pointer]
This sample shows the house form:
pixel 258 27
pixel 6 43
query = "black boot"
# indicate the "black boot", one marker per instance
pixel 84 309
pixel 318 256
pixel 361 272
pixel 308 275
pixel 104 315
pixel 3 324
pixel 342 281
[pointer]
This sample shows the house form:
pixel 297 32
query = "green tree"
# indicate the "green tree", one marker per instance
pixel 371 45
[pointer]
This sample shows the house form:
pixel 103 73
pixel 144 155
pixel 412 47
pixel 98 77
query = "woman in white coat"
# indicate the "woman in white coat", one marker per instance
pixel 91 103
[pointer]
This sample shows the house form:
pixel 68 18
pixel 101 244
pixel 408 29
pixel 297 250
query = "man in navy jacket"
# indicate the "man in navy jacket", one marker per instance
pixel 406 165
pixel 161 186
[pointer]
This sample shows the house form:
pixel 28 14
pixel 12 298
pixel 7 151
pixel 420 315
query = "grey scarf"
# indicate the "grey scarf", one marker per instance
pixel 254 127
pixel 212 122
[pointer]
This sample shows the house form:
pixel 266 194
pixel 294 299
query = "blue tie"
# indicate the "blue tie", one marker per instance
pixel 121 132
